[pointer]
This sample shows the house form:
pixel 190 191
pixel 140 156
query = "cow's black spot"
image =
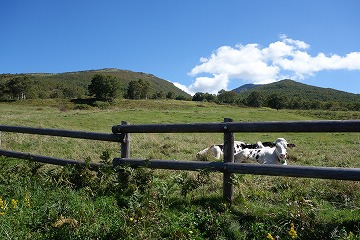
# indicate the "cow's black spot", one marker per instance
pixel 268 144
pixel 257 157
pixel 221 147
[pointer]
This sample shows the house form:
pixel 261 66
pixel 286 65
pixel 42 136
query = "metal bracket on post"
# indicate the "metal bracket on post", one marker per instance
pixel 125 143
pixel 228 157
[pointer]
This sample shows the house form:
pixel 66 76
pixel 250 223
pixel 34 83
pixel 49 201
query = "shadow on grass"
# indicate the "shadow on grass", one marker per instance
pixel 84 101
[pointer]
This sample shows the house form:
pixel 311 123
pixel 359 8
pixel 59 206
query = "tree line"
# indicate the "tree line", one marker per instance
pixel 22 86
pixel 274 100
pixel 102 88
pixel 108 88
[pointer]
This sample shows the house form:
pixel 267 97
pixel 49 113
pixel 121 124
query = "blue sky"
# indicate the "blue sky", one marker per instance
pixel 200 46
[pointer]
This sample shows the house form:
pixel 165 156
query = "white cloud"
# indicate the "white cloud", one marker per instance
pixel 350 62
pixel 242 62
pixel 183 87
pixel 286 58
pixel 210 84
pixel 297 43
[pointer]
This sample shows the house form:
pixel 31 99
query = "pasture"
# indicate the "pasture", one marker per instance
pixel 152 204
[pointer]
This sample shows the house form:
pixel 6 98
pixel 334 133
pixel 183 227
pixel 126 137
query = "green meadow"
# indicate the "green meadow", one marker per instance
pixel 40 201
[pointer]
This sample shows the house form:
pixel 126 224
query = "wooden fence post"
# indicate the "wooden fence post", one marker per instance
pixel 125 143
pixel 228 157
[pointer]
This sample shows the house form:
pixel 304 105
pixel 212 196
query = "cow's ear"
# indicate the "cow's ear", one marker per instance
pixel 291 145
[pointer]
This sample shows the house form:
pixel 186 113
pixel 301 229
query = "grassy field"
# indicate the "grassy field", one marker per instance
pixel 42 202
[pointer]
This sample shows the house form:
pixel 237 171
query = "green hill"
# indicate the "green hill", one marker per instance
pixel 244 88
pixel 60 85
pixel 292 90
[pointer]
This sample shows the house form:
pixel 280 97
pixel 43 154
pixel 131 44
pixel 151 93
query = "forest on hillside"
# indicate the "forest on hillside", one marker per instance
pixel 107 86
pixel 275 100
pixel 290 94
pixel 14 87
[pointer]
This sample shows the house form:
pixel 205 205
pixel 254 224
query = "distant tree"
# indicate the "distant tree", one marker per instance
pixel 43 95
pixel 354 106
pixel 170 95
pixel 73 92
pixel 3 91
pixel 210 97
pixel 296 103
pixel 105 88
pixel 181 97
pixel 276 101
pixel 56 93
pixel 159 95
pixel 17 87
pixel 241 102
pixel 332 105
pixel 255 99
pixel 133 90
pixel 144 88
pixel 229 97
pixel 315 104
pixel 199 96
pixel 138 89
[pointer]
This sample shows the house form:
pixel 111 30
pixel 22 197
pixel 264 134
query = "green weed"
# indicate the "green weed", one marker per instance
pixel 39 201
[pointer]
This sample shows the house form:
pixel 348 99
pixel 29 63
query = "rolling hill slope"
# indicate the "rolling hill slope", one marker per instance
pixel 291 89
pixel 49 83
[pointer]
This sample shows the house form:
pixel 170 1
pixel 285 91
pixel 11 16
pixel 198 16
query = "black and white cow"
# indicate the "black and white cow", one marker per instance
pixel 265 154
pixel 217 151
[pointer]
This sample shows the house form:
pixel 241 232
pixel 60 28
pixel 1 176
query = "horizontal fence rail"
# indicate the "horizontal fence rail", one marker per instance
pixel 121 134
pixel 291 126
pixel 337 173
pixel 64 133
pixel 46 159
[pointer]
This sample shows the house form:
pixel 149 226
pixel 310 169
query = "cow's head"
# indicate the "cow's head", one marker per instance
pixel 214 151
pixel 281 150
pixel 201 156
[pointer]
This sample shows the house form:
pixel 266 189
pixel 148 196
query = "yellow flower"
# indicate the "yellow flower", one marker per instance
pixel 14 203
pixel 3 204
pixel 131 219
pixel 268 236
pixel 292 232
pixel 27 200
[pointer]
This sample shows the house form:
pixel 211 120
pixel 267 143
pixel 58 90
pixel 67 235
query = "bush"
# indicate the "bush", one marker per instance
pixel 102 105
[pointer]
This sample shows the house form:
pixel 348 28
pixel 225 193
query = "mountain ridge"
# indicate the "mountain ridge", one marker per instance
pixel 49 83
pixel 292 89
pixel 244 87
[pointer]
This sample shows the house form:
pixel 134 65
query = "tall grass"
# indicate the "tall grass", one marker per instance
pixel 76 203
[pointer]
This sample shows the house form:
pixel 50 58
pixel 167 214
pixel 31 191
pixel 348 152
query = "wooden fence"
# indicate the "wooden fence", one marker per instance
pixel 121 133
